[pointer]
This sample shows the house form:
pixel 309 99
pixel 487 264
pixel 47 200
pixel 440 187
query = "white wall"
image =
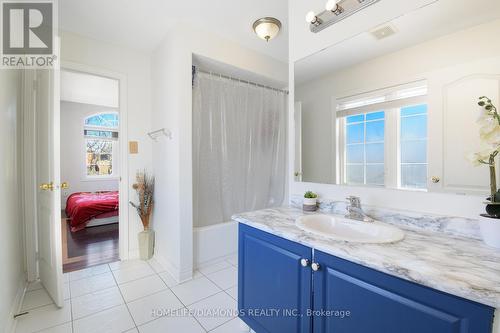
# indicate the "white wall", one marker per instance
pixel 135 66
pixel 11 237
pixel 89 89
pixel 73 164
pixel 412 63
pixel 172 108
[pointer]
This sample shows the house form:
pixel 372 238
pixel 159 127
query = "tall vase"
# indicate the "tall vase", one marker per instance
pixel 490 230
pixel 146 244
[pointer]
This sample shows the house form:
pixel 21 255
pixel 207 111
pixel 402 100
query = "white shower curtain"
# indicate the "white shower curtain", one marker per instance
pixel 239 148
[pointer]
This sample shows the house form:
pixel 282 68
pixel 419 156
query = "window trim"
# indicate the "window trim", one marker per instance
pixel 95 127
pixel 399 141
pixel 115 154
pixel 364 164
pixel 392 144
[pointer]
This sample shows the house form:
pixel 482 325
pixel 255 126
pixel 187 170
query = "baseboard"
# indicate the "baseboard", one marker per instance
pixel 173 270
pixel 10 325
pixel 215 260
pixel 133 254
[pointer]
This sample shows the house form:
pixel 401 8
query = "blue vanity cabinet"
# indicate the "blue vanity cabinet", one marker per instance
pixel 274 288
pixel 378 302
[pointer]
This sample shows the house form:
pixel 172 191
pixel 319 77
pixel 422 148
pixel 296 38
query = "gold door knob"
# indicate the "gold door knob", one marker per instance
pixel 65 186
pixel 47 186
pixel 435 179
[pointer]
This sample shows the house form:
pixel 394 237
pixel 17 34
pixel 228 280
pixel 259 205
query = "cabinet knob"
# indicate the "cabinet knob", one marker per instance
pixel 304 262
pixel 315 266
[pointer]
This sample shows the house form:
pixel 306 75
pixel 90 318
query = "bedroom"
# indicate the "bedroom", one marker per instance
pixel 90 169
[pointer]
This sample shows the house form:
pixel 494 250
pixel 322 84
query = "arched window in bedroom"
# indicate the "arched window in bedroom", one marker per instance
pixel 101 144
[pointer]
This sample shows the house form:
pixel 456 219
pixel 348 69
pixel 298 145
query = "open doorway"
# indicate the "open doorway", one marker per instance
pixel 90 169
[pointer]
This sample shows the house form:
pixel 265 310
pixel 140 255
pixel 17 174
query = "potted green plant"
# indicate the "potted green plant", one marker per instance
pixel 310 202
pixel 489 133
pixel 145 188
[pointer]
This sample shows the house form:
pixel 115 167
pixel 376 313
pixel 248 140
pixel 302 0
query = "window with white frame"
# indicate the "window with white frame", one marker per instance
pixel 101 139
pixel 383 137
pixel 413 146
pixel 364 148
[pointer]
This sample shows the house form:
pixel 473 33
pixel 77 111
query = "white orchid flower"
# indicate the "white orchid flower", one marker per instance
pixel 482 156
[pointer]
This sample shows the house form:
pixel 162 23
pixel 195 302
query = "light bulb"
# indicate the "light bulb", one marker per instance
pixel 331 5
pixel 310 17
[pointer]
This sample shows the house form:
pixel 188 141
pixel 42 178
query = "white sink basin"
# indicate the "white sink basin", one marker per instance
pixel 344 229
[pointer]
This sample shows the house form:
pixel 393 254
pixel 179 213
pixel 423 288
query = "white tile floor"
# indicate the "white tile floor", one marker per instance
pixel 121 297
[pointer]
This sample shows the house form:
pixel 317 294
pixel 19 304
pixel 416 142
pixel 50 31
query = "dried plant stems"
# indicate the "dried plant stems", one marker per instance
pixel 145 188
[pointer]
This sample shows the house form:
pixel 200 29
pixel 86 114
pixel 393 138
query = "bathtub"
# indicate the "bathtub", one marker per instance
pixel 214 242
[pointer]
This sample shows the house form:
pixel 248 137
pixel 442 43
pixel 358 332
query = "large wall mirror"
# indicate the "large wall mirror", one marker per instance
pixel 396 106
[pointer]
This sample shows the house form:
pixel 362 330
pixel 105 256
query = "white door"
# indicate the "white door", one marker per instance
pixel 453 97
pixel 48 181
pixel 298 141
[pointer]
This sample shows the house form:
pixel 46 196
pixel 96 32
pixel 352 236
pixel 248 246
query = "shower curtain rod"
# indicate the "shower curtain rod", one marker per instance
pixel 244 81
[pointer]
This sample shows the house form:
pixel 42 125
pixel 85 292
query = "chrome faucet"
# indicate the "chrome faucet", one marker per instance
pixel 354 210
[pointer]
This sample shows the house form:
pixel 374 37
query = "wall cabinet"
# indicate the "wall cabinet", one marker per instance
pixel 288 287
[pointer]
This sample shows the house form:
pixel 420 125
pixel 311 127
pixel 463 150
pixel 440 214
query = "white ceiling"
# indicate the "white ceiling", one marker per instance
pixel 143 24
pixel 416 26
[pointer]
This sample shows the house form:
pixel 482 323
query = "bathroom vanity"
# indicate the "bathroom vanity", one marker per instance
pixel 291 280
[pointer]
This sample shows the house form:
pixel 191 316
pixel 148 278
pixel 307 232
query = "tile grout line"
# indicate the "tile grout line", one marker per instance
pixel 126 305
pixel 218 285
pixel 186 306
pixel 220 292
pixel 157 274
pixel 168 288
pixel 117 286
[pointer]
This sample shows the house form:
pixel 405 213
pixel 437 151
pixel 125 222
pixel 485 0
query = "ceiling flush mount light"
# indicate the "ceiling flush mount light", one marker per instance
pixel 267 28
pixel 335 11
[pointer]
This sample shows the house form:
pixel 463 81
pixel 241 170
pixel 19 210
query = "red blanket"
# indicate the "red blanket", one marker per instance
pixel 81 207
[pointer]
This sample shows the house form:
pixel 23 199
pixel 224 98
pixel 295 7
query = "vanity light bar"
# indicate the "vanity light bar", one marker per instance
pixel 336 13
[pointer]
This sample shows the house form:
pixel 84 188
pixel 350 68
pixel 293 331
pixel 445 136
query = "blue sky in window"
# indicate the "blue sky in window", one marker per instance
pixel 414 128
pixel 355 119
pixel 375 174
pixel 107 120
pixel 412 110
pixel 414 176
pixel 374 153
pixel 375 131
pixel 355 133
pixel 375 115
pixel 414 151
pixel 355 153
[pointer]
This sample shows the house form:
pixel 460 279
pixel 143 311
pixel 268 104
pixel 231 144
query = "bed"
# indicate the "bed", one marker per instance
pixel 90 209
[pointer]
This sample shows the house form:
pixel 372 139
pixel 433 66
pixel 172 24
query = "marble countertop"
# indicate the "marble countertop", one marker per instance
pixel 460 266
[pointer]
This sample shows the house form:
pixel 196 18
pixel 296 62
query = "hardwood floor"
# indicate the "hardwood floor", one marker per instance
pixel 89 247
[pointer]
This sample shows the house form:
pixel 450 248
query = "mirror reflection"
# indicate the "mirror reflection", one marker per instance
pixel 390 114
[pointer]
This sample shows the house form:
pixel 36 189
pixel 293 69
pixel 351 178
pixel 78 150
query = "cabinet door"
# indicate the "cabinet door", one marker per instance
pixel 274 290
pixel 378 302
